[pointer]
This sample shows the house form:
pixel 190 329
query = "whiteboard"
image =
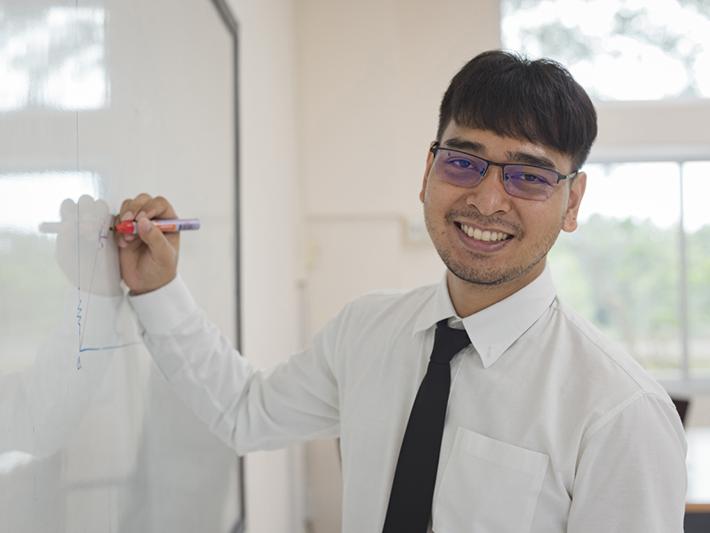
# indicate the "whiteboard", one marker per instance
pixel 101 100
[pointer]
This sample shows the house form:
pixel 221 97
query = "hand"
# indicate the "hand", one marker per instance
pixel 85 252
pixel 149 260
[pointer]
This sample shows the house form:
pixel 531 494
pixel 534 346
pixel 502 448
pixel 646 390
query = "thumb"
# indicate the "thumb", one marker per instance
pixel 159 246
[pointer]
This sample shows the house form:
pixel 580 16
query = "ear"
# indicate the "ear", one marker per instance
pixel 576 192
pixel 427 169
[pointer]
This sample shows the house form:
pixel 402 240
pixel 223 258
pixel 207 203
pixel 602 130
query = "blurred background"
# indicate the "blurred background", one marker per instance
pixel 369 79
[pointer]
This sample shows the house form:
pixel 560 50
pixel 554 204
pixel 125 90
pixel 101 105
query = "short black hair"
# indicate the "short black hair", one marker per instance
pixel 512 96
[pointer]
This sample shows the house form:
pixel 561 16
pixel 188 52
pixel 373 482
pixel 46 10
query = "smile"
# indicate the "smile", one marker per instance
pixel 483 235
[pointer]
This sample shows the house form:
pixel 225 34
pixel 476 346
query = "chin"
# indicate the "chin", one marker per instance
pixel 493 277
pixel 477 277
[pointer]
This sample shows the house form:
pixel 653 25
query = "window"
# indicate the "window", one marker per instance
pixel 639 264
pixel 618 49
pixel 696 216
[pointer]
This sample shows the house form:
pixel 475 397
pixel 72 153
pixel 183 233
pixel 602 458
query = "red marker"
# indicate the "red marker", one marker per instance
pixel 130 227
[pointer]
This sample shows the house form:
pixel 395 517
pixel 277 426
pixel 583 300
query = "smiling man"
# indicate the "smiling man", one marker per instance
pixel 494 234
pixel 479 404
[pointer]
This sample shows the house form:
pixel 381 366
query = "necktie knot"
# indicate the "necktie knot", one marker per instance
pixel 448 342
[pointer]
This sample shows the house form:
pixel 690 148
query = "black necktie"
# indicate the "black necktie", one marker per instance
pixel 412 492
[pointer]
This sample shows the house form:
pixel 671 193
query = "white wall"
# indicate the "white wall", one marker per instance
pixel 271 214
pixel 652 131
pixel 371 75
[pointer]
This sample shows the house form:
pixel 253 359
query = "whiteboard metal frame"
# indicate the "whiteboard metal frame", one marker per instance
pixel 230 23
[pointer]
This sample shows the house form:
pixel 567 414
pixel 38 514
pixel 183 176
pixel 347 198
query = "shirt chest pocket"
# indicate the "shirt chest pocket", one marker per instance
pixel 488 486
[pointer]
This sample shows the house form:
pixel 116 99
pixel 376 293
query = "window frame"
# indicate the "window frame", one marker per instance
pixel 686 383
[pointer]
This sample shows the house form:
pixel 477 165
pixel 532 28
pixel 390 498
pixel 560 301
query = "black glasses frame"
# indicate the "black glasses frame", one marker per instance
pixel 436 146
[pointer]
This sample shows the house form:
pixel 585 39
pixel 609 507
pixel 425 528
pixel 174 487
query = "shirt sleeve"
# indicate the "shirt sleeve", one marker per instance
pixel 247 408
pixel 631 474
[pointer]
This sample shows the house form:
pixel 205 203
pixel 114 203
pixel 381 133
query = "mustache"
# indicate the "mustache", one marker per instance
pixel 476 217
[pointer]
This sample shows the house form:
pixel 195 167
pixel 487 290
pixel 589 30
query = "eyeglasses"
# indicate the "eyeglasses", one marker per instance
pixel 528 182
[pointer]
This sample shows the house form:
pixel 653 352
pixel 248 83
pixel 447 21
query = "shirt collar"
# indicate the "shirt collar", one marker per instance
pixel 493 329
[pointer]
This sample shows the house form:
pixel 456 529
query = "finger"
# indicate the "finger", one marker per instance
pixel 124 208
pixel 130 207
pixel 157 207
pixel 130 244
pixel 128 215
pixel 161 250
pixel 119 217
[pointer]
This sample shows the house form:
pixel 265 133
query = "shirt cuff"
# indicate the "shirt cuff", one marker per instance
pixel 162 310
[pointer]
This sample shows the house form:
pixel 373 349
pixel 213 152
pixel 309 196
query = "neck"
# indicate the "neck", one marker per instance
pixel 469 298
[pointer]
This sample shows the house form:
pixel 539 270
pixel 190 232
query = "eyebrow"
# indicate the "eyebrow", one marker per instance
pixel 516 156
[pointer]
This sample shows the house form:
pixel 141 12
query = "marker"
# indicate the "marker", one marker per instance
pixel 173 225
pixel 131 227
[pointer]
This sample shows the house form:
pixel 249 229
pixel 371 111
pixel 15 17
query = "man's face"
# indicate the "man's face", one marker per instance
pixel 530 226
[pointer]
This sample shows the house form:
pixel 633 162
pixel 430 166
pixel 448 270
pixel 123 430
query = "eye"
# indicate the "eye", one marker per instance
pixel 533 178
pixel 460 163
pixel 528 178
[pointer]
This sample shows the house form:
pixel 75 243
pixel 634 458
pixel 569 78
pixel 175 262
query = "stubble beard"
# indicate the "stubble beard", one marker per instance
pixel 490 277
pixel 478 275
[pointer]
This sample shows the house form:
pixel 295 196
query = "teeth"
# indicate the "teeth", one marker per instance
pixel 486 235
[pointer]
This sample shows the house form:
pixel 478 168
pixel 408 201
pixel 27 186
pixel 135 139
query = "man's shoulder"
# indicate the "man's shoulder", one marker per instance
pixel 387 301
pixel 389 308
pixel 396 296
pixel 601 358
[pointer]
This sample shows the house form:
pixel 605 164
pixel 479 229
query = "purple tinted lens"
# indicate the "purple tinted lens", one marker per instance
pixel 459 169
pixel 531 183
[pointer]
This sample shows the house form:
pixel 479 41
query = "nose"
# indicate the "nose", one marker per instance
pixel 489 196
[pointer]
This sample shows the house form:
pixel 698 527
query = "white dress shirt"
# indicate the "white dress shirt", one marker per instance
pixel 550 427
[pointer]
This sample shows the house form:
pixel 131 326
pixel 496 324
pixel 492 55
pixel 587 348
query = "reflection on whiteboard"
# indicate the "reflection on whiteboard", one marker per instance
pixel 44 403
pixel 74 37
pixel 87 254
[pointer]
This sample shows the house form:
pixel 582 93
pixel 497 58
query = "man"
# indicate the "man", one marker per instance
pixel 527 421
